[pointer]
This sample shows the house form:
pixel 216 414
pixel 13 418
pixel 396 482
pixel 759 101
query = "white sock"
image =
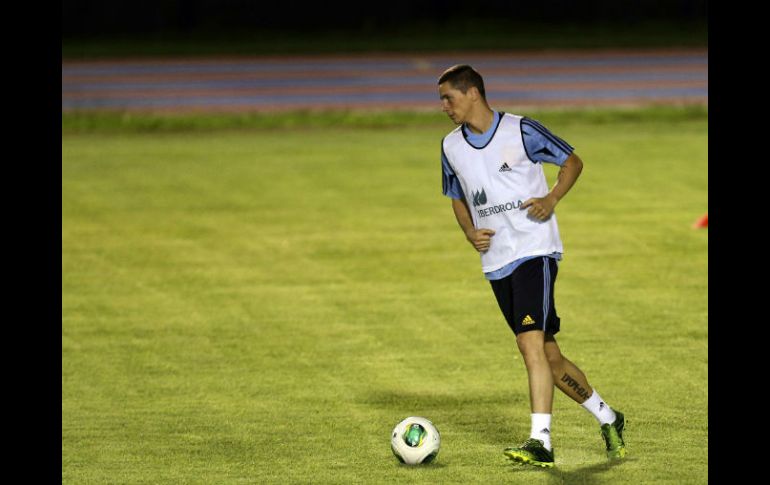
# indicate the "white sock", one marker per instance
pixel 541 428
pixel 600 409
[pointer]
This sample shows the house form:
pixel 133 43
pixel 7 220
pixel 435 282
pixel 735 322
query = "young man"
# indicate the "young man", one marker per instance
pixel 492 171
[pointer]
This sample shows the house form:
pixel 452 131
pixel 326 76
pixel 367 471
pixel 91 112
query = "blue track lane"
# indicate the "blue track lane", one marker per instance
pixel 388 81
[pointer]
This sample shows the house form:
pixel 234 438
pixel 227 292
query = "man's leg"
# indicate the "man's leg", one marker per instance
pixel 566 375
pixel 537 450
pixel 539 372
pixel 572 382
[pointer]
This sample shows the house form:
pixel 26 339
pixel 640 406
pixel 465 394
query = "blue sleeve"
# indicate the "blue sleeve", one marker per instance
pixel 543 146
pixel 450 185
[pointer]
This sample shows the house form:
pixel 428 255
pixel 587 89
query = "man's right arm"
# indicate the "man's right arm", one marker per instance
pixel 479 238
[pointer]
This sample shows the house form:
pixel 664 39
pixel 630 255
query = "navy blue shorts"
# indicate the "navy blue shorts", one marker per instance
pixel 526 296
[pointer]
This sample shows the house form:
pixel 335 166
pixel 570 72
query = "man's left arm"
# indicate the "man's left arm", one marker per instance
pixel 541 208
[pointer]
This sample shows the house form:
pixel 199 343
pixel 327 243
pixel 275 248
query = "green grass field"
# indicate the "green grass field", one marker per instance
pixel 257 304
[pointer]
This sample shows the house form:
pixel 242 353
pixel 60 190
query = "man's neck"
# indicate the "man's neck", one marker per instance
pixel 481 121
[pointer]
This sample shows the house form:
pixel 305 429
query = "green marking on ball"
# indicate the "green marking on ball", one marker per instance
pixel 414 435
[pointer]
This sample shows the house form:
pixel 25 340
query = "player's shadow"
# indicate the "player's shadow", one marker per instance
pixel 584 474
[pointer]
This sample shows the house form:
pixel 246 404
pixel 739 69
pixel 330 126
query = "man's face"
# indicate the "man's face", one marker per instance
pixel 454 103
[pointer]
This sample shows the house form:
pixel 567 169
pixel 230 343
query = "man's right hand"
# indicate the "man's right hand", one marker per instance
pixel 480 238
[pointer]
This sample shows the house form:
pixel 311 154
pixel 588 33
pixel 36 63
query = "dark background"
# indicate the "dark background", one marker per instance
pixel 93 17
pixel 125 27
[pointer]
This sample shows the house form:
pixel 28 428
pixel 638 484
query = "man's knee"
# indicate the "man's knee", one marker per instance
pixel 554 357
pixel 552 352
pixel 531 344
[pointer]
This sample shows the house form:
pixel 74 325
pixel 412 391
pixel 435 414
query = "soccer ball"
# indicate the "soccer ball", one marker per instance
pixel 415 440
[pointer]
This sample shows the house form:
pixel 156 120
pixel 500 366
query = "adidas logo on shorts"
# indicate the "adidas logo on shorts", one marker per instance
pixel 527 321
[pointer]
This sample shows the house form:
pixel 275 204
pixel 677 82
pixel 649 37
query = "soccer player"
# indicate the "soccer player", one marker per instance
pixel 492 170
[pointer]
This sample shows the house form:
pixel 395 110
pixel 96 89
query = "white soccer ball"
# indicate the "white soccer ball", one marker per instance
pixel 415 440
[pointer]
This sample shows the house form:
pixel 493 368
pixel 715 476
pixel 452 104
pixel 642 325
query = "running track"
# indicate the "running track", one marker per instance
pixel 384 81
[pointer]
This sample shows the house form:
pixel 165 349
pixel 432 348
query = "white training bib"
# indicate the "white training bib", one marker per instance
pixel 496 180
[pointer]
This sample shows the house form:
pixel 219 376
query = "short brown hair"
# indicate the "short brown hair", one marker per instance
pixel 462 77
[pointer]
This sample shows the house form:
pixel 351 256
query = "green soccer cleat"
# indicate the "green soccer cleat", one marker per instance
pixel 532 452
pixel 613 437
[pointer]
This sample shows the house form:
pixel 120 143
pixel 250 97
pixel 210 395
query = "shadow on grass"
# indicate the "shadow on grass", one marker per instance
pixel 435 465
pixel 584 474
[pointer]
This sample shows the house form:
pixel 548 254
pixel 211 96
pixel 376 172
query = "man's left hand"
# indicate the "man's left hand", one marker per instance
pixel 540 208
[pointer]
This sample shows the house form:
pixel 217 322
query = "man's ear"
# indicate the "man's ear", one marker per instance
pixel 473 92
